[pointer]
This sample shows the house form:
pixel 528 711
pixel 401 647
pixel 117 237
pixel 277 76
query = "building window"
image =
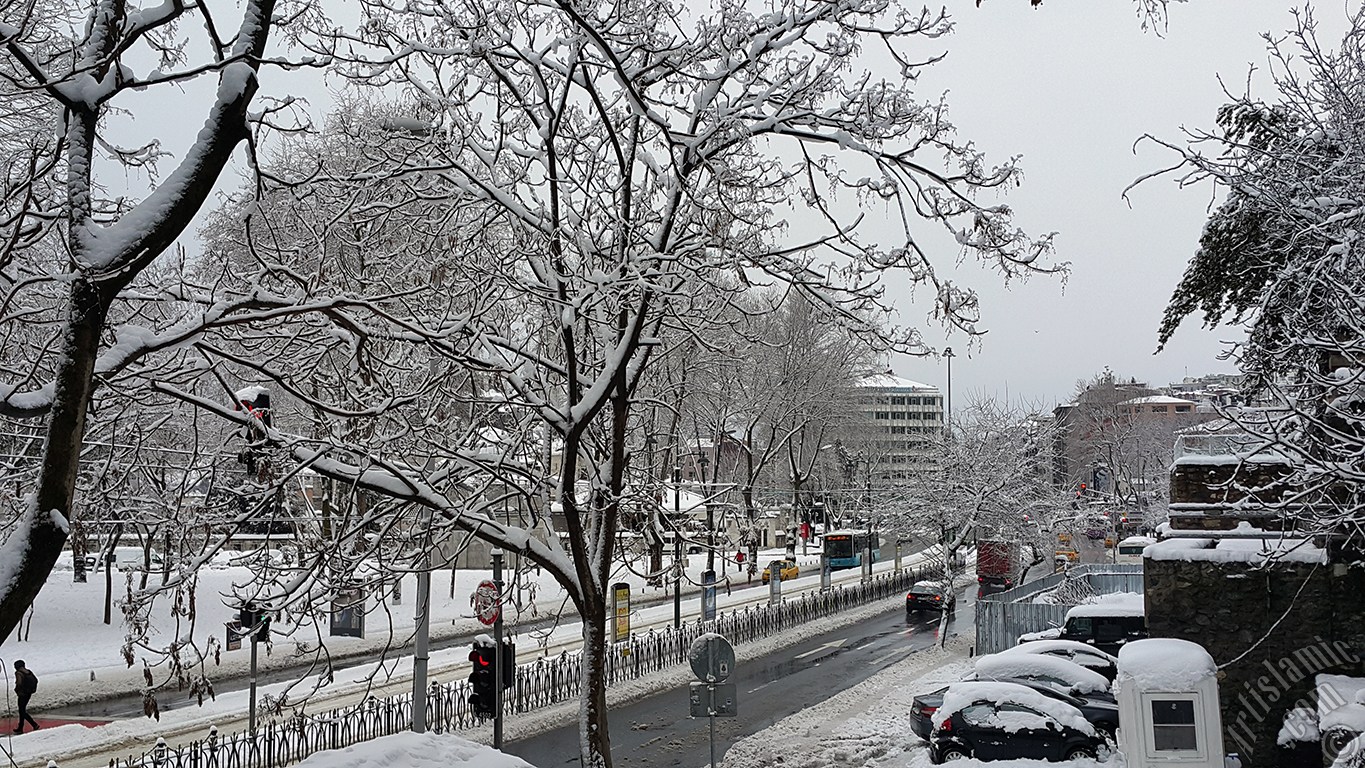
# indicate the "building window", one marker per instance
pixel 882 415
pixel 1182 409
pixel 898 401
pixel 898 430
pixel 898 416
pixel 1173 725
pixel 1158 409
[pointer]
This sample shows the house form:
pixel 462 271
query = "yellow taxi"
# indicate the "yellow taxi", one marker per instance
pixel 1064 538
pixel 786 569
pixel 1069 554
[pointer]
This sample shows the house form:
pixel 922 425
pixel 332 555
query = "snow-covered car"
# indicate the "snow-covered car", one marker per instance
pixel 931 595
pixel 1101 711
pixel 1007 721
pixel 1060 674
pixel 1087 656
pixel 124 559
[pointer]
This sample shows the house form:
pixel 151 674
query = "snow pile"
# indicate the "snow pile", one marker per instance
pixel 1164 664
pixel 1243 544
pixel 1040 667
pixel 1300 724
pixel 1113 604
pixel 1340 703
pixel 415 750
pixel 962 695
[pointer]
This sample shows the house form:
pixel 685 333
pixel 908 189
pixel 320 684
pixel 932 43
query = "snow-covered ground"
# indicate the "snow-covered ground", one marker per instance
pixel 65 665
pixel 78 658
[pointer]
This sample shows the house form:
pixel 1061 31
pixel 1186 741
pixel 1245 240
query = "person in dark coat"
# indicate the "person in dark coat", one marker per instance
pixel 25 684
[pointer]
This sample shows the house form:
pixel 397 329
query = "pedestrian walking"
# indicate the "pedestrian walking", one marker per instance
pixel 25 684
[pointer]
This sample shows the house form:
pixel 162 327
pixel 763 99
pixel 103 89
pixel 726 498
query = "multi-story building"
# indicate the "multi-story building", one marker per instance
pixel 898 421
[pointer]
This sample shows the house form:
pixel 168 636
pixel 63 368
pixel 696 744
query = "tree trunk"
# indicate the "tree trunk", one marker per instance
pixel 44 530
pixel 593 728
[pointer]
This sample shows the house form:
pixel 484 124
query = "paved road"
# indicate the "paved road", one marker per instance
pixel 657 731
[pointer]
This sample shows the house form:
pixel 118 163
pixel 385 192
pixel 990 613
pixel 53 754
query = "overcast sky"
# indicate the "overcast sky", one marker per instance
pixel 1070 86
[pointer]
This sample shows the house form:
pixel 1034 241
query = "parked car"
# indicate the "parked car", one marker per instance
pixel 1087 656
pixel 1106 625
pixel 1007 721
pixel 1099 708
pixel 786 569
pixel 1057 673
pixel 931 595
pixel 123 558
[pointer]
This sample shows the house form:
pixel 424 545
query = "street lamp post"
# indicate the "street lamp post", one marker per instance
pixel 948 401
pixel 677 549
pixel 702 461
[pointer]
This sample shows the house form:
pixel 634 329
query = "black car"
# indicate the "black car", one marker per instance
pixel 930 595
pixel 1100 709
pixel 987 729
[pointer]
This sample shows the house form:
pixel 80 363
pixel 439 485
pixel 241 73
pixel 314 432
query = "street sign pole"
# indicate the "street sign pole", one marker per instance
pixel 498 660
pixel 713 659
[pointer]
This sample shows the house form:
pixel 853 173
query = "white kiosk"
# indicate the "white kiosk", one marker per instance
pixel 1167 691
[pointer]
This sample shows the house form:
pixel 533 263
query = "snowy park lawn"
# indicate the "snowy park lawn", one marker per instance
pixel 868 725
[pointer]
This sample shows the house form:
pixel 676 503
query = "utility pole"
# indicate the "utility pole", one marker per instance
pixel 420 644
pixel 677 549
pixel 498 659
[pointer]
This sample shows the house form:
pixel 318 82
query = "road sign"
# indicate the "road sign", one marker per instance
pixel 713 700
pixel 620 593
pixel 712 658
pixel 486 604
pixel 708 596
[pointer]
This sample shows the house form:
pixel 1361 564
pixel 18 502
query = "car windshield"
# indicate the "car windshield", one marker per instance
pixel 925 589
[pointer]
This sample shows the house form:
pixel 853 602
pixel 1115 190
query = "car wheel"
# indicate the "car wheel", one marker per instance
pixel 1076 753
pixel 953 753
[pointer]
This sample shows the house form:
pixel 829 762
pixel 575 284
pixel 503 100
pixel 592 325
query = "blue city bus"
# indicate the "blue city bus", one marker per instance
pixel 847 548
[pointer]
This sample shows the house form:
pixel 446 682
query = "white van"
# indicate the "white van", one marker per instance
pixel 1130 549
pixel 124 559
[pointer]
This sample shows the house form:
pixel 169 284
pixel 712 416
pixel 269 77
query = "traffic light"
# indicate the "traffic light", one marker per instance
pixel 483 698
pixel 256 402
pixel 250 616
pixel 509 663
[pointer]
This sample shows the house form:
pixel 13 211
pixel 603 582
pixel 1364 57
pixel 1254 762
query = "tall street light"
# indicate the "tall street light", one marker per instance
pixel 948 401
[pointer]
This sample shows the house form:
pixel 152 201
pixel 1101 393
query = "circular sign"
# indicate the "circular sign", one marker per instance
pixel 712 658
pixel 487 607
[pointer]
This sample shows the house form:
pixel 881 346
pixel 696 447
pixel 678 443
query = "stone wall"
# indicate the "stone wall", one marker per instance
pixel 1271 629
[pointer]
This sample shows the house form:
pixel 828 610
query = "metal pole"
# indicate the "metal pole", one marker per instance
pixel 677 550
pixel 251 716
pixel 497 653
pixel 948 402
pixel 420 656
pixel 711 706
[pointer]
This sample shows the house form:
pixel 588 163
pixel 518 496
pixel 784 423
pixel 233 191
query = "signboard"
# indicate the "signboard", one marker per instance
pixel 825 573
pixel 711 700
pixel 620 598
pixel 234 635
pixel 774 583
pixel 898 555
pixel 708 596
pixel 487 607
pixel 712 658
pixel 348 614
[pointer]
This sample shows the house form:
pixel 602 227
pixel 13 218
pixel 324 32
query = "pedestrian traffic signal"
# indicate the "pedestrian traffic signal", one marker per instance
pixel 483 698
